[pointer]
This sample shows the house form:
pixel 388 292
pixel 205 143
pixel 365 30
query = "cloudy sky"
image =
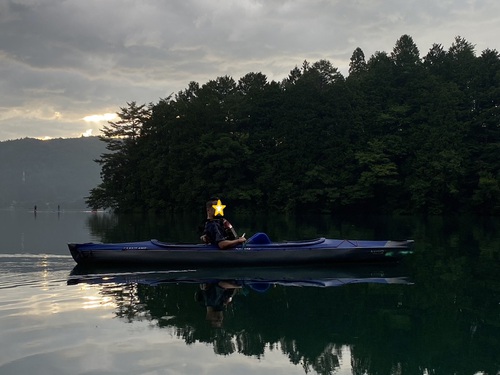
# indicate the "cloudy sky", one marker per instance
pixel 67 65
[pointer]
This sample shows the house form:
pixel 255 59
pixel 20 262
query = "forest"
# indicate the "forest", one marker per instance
pixel 400 134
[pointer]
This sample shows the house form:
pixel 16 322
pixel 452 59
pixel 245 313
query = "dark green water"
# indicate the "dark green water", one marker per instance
pixel 436 313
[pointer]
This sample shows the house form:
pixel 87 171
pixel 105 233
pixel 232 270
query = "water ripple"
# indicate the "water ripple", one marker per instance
pixel 41 270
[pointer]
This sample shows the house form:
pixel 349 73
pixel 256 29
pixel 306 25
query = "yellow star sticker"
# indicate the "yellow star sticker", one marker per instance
pixel 219 208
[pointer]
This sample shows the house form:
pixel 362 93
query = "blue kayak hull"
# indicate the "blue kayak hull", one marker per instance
pixel 318 251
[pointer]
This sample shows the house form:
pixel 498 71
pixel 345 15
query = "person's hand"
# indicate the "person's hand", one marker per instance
pixel 242 239
pixel 204 239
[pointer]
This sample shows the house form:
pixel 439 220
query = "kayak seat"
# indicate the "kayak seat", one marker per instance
pixel 259 238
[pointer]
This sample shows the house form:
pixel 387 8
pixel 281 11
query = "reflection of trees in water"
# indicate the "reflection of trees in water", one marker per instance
pixel 128 304
pixel 173 307
pixel 448 322
pixel 392 329
pixel 477 237
pixel 325 362
pixel 185 227
pixel 138 227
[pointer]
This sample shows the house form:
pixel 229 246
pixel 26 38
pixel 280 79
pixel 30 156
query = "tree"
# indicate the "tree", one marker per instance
pixel 129 126
pixel 119 168
pixel 252 83
pixel 435 59
pixel 486 197
pixel 405 53
pixel 327 72
pixel 293 76
pixel 408 72
pixel 357 63
pixel 462 58
pixel 377 175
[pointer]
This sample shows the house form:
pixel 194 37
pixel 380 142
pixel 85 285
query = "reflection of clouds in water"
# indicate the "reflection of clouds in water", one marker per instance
pixel 71 339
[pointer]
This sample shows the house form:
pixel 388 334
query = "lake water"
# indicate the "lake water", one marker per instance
pixel 436 313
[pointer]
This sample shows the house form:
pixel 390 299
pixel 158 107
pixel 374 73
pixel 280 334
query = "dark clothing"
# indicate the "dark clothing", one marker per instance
pixel 216 297
pixel 214 230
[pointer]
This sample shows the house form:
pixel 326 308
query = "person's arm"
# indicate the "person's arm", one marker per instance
pixel 227 244
pixel 228 285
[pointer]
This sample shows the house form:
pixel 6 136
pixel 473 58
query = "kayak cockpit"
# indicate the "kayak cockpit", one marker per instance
pixel 257 240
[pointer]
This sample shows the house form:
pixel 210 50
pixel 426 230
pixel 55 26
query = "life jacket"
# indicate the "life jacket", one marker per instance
pixel 229 231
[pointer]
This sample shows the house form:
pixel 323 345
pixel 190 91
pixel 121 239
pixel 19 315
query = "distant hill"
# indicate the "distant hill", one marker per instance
pixel 48 173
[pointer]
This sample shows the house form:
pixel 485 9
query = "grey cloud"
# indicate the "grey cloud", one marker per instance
pixel 84 57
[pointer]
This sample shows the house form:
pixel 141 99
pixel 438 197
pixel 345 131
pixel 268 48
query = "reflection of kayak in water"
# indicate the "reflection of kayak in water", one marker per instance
pixel 258 250
pixel 256 278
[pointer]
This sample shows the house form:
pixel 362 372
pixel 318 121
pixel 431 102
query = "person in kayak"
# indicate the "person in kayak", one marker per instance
pixel 218 231
pixel 216 296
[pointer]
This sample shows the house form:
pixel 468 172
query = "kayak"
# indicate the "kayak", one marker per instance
pixel 258 250
pixel 258 277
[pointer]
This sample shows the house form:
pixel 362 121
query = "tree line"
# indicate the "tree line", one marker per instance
pixel 401 133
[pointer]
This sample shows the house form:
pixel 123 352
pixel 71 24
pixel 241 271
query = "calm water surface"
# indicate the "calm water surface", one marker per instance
pixel 436 313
